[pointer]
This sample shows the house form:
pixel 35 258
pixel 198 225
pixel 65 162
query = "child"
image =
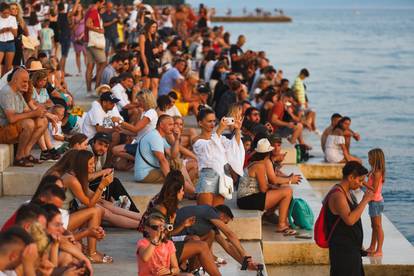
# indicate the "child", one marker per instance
pixel 56 134
pixel 376 206
pixel 46 38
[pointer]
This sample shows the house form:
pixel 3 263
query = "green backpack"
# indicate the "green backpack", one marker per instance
pixel 300 214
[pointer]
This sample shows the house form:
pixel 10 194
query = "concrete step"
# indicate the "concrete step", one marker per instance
pixel 316 168
pixel 6 156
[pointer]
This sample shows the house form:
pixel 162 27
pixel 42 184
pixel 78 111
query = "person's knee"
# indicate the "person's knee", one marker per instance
pixel 97 211
pixel 288 192
pixel 299 126
pixel 27 124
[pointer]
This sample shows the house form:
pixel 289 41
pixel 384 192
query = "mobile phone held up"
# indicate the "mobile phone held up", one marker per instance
pixel 229 121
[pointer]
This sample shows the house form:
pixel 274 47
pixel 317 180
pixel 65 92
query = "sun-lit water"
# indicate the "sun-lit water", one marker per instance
pixel 361 65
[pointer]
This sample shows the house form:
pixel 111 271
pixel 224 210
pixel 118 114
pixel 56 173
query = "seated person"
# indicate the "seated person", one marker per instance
pixel 334 121
pixel 257 189
pixel 210 222
pixel 57 138
pixel 127 108
pixel 173 110
pixel 99 118
pixel 18 123
pixel 285 128
pixel 336 150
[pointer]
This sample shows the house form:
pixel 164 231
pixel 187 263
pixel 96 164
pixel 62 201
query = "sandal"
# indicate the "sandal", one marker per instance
pixel 220 261
pixel 33 160
pixel 287 231
pixel 105 259
pixel 22 163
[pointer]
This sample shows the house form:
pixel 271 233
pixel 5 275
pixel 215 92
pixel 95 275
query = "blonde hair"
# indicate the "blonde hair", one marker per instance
pixel 377 160
pixel 19 16
pixel 40 238
pixel 235 111
pixel 148 99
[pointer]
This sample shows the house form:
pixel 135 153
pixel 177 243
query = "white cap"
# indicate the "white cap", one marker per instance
pixel 137 2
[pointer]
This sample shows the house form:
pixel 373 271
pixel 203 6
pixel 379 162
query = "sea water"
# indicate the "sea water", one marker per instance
pixel 361 65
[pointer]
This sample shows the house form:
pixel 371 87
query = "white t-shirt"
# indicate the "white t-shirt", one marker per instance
pixel 173 111
pixel 333 149
pixel 9 22
pixel 58 131
pixel 8 273
pixel 152 115
pixel 97 116
pixel 120 92
pixel 34 30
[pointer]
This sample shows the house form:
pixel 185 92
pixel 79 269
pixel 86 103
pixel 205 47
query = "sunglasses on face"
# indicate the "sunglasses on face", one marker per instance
pixel 155 227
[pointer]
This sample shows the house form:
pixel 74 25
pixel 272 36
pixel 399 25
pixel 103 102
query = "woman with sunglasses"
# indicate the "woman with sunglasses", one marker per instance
pixel 155 253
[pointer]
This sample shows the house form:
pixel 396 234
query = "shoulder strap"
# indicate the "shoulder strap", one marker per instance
pixel 142 156
pixel 339 188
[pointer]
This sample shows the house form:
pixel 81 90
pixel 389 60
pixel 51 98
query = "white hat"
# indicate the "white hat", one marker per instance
pixel 137 2
pixel 263 146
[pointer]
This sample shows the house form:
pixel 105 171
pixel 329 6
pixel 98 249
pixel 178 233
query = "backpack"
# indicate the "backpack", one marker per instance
pixel 300 214
pixel 320 231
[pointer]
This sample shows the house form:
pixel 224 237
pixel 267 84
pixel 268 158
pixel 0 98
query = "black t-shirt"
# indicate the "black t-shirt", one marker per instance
pixel 235 65
pixel 110 31
pixel 202 226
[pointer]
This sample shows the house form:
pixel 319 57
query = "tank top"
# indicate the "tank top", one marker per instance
pixel 370 183
pixel 345 235
pixel 248 185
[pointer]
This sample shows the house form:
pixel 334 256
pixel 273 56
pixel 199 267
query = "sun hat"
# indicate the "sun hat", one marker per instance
pixel 35 65
pixel 263 146
pixel 100 88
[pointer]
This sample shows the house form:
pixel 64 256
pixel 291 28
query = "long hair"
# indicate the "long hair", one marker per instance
pixel 377 160
pixel 46 181
pixel 79 166
pixel 146 29
pixel 63 165
pixel 19 16
pixel 173 184
pixel 341 123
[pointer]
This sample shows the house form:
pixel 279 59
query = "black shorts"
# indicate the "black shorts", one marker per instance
pixel 124 114
pixel 252 202
pixel 131 149
pixel 284 131
pixel 65 44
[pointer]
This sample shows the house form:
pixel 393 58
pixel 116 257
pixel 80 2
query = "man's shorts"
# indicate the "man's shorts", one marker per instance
pixel 10 134
pixel 65 44
pixel 95 55
pixel 284 131
pixel 154 176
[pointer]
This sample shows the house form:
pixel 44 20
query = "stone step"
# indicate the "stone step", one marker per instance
pixel 317 169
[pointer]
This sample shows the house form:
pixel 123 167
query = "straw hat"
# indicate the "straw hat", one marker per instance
pixel 30 42
pixel 35 66
pixel 102 88
pixel 263 146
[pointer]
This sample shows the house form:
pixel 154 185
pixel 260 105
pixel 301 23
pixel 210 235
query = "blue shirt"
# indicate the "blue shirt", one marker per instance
pixel 168 81
pixel 148 144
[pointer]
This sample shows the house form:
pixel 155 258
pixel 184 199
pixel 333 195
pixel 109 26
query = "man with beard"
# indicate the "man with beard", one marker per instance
pixel 99 146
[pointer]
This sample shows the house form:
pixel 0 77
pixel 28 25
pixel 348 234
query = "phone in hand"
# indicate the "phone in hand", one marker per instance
pixel 229 121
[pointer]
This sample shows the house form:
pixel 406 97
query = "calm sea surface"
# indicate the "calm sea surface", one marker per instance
pixel 361 65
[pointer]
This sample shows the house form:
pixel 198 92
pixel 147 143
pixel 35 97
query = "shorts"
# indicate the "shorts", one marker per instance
pixel 208 181
pixel 124 114
pixel 154 176
pixel 95 55
pixel 375 208
pixel 153 72
pixel 7 46
pixel 284 131
pixel 131 149
pixel 10 133
pixel 65 46
pixel 252 202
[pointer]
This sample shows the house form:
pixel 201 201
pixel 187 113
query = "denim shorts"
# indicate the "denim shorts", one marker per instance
pixel 208 181
pixel 7 46
pixel 376 208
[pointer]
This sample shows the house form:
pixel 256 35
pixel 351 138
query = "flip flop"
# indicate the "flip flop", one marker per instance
pixel 105 259
pixel 287 232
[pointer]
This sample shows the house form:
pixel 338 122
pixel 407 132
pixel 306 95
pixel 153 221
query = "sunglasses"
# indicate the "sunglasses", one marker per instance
pixel 155 227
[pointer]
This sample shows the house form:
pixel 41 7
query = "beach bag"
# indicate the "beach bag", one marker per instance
pixel 320 231
pixel 96 40
pixel 226 188
pixel 300 214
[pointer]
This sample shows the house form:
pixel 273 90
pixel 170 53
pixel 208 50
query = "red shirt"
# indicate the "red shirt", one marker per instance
pixel 278 110
pixel 92 13
pixel 10 222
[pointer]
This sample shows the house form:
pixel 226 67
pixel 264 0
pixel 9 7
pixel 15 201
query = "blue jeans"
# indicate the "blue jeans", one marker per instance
pixel 110 42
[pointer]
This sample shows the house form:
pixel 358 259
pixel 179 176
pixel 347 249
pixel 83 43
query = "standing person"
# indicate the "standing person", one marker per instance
pixel 149 50
pixel 236 54
pixel 110 21
pixel 46 38
pixel 213 151
pixel 64 37
pixel 16 11
pixel 8 32
pixel 343 217
pixel 299 88
pixel 376 177
pixel 77 20
pixel 94 55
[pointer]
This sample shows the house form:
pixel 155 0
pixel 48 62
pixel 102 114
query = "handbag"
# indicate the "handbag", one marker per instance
pixel 226 188
pixel 96 40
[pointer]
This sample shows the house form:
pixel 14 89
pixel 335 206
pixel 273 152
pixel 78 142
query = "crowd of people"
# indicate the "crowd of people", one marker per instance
pixel 151 67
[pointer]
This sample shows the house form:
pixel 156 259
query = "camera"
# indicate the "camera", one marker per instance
pixel 169 227
pixel 229 121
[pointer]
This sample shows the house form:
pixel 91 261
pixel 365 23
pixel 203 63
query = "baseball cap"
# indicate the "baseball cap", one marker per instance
pixel 108 96
pixel 102 136
pixel 269 69
pixel 203 88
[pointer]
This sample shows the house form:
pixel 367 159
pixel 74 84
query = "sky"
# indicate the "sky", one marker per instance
pixel 288 4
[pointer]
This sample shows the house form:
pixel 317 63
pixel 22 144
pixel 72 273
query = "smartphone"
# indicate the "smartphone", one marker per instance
pixel 229 121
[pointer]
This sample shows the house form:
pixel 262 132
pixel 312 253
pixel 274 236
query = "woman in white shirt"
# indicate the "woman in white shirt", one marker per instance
pixel 336 150
pixel 213 152
pixel 148 122
pixel 8 31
